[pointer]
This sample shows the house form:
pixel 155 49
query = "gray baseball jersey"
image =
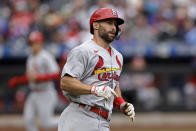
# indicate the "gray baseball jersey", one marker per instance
pixel 42 63
pixel 92 64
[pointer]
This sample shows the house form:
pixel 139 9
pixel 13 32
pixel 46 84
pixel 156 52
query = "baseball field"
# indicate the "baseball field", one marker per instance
pixel 155 121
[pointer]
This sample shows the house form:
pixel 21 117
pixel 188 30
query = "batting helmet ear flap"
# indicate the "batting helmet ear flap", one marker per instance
pixel 118 31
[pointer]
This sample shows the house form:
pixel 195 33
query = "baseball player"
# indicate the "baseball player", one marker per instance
pixel 43 97
pixel 90 78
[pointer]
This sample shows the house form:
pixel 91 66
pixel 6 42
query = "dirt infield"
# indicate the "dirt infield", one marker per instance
pixel 143 122
pixel 120 129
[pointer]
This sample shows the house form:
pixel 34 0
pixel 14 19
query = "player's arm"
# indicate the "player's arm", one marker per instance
pixel 18 80
pixel 74 86
pixel 118 91
pixel 52 70
pixel 122 105
pixel 24 79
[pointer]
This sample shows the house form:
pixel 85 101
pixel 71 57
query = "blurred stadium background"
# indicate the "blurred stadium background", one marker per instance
pixel 158 43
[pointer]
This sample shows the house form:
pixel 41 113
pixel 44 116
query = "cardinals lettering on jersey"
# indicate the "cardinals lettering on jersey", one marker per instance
pixel 105 74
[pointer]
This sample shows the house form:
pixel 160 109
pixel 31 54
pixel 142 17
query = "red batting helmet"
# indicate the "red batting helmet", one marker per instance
pixel 102 14
pixel 35 37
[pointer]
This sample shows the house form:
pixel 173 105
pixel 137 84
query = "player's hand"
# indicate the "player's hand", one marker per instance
pixel 32 76
pixel 128 109
pixel 103 91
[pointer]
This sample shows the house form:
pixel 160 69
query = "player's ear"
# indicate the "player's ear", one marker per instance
pixel 95 25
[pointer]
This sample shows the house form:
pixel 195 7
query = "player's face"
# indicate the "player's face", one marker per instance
pixel 107 30
pixel 36 47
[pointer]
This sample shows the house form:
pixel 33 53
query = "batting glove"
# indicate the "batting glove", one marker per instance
pixel 103 91
pixel 128 109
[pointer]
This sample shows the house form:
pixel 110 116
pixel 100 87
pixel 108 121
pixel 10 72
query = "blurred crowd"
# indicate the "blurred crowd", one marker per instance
pixel 65 23
pixel 139 85
pixel 158 89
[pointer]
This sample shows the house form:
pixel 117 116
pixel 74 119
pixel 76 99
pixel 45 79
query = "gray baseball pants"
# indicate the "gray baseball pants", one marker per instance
pixel 75 118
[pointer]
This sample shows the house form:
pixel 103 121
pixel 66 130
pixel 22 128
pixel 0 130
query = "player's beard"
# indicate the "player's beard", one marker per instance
pixel 105 34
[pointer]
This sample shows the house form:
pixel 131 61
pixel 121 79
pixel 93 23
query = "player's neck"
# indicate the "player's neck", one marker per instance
pixel 99 41
pixel 36 52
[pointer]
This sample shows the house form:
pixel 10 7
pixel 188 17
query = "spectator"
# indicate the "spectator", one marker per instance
pixel 100 4
pixel 4 19
pixel 21 19
pixel 190 36
pixel 190 89
pixel 143 81
pixel 141 32
pixel 190 93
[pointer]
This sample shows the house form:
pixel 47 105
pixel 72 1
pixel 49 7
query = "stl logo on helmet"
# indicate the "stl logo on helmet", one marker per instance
pixel 114 13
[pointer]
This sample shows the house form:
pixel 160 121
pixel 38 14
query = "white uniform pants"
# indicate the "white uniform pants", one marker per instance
pixel 41 104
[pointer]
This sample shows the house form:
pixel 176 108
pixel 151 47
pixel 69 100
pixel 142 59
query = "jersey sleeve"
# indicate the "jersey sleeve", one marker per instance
pixel 75 64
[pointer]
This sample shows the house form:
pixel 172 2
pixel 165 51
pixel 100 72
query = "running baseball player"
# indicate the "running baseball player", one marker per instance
pixel 41 68
pixel 90 78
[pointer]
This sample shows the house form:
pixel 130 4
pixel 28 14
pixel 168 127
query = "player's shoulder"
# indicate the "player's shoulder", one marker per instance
pixel 45 53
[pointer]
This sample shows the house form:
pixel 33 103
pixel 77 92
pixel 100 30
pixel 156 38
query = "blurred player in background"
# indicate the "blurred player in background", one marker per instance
pixel 41 68
pixel 90 78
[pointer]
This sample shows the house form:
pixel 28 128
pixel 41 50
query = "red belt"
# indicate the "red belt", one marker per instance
pixel 96 110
